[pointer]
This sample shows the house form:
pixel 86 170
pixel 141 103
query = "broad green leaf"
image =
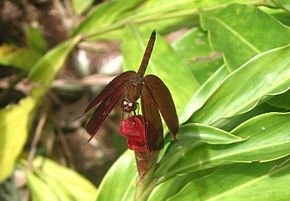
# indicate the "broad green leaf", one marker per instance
pixel 281 100
pixel 104 15
pixel 14 126
pixel 39 189
pixel 120 182
pixel 153 7
pixel 240 182
pixel 35 39
pixel 171 186
pixel 46 68
pixel 258 110
pixel 285 4
pixel 192 44
pixel 203 93
pixel 207 134
pixel 279 14
pixel 80 6
pixel 52 184
pixel 268 139
pixel 164 63
pixel 265 74
pixel 64 181
pixel 204 67
pixel 241 32
pixel 193 47
pixel 22 58
pixel 166 16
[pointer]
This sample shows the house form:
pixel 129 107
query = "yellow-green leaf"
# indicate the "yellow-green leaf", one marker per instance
pixel 14 126
pixel 22 58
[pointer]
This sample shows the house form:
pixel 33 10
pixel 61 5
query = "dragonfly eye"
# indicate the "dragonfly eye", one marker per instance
pixel 124 103
pixel 128 106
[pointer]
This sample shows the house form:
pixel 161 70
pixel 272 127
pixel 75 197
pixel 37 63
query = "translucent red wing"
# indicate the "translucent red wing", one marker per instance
pixel 113 86
pixel 165 103
pixel 154 138
pixel 102 111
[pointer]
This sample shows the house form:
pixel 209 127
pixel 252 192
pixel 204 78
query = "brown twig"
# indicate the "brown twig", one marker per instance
pixel 92 80
pixel 12 85
pixel 36 138
pixel 66 150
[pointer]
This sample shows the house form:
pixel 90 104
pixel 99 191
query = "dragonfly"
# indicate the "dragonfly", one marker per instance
pixel 127 88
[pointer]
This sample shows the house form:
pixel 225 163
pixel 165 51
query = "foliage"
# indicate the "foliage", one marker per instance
pixel 228 74
pixel 46 179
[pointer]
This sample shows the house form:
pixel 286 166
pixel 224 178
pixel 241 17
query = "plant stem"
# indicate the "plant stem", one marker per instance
pixel 5 93
pixel 146 168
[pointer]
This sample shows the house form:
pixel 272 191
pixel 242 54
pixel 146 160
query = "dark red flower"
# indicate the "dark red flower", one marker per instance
pixel 155 97
pixel 133 129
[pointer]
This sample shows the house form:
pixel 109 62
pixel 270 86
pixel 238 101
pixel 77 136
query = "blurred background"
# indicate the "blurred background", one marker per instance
pixel 56 132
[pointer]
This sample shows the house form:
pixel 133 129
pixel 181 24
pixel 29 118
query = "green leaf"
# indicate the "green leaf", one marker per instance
pixel 203 93
pixel 64 182
pixel 193 47
pixel 207 134
pixel 164 15
pixel 258 110
pixel 22 58
pixel 35 39
pixel 170 187
pixel 39 189
pixel 120 182
pixel 268 139
pixel 265 74
pixel 240 182
pixel 281 100
pixel 279 14
pixel 47 67
pixel 285 4
pixel 80 6
pixel 192 44
pixel 164 63
pixel 14 126
pixel 104 15
pixel 241 32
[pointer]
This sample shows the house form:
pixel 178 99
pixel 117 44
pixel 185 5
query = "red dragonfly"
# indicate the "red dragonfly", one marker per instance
pixel 129 87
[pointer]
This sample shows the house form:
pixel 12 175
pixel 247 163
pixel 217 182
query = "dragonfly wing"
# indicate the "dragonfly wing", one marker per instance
pixel 112 87
pixel 164 100
pixel 102 111
pixel 152 119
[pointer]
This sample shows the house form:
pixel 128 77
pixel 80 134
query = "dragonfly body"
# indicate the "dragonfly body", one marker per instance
pixel 129 87
pixel 132 94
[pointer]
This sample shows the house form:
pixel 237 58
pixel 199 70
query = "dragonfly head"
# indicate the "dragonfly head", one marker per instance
pixel 128 106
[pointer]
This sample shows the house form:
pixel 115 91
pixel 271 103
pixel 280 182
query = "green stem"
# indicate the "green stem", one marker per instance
pixel 145 186
pixel 146 168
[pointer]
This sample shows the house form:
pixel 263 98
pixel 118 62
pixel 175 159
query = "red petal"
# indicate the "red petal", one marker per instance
pixel 134 130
